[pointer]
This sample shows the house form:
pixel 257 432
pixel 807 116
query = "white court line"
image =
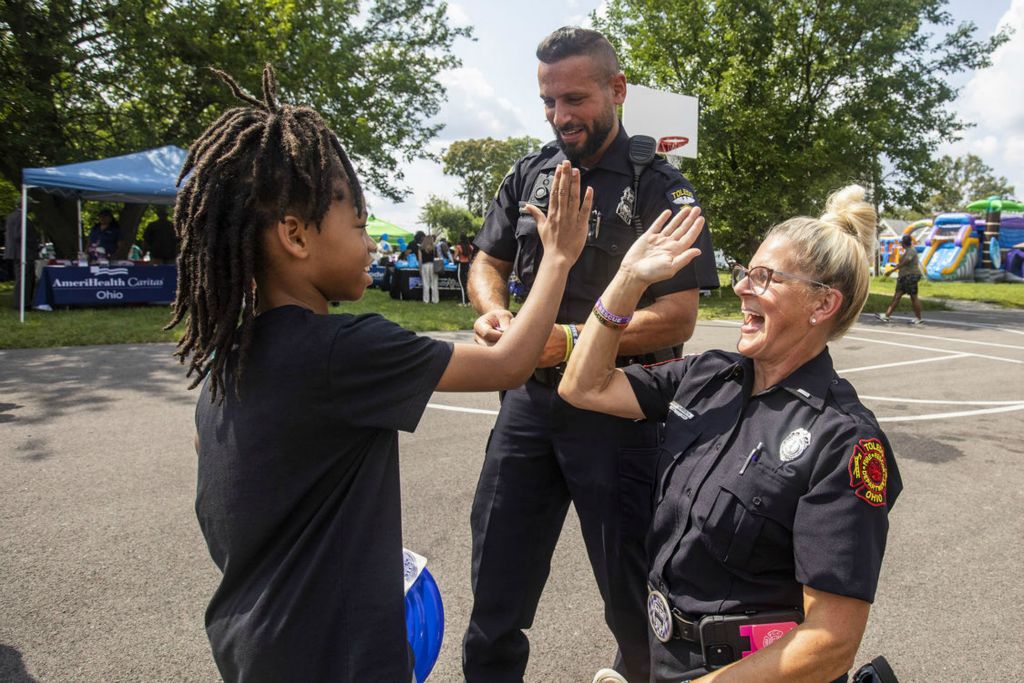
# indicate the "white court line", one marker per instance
pixel 460 409
pixel 904 362
pixel 866 328
pixel 931 348
pixel 1002 406
pixel 946 321
pixel 946 416
pixel 912 418
pixel 944 402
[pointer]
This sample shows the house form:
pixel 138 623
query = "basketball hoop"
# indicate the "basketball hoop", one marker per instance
pixel 671 142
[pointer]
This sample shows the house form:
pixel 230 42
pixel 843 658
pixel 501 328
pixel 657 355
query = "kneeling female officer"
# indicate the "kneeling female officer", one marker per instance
pixel 775 482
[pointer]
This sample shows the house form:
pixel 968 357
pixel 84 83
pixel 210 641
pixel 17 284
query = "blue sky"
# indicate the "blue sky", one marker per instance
pixel 494 93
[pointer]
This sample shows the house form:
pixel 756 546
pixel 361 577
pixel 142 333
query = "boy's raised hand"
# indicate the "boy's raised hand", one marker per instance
pixel 563 231
pixel 665 248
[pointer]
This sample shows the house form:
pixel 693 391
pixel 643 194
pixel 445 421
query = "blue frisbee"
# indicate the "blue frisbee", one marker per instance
pixel 424 623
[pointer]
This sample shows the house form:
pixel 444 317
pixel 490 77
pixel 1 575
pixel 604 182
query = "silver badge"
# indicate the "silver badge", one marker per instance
pixel 660 616
pixel 794 444
pixel 625 208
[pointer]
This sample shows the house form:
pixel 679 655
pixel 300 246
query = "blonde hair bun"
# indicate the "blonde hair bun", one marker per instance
pixel 848 210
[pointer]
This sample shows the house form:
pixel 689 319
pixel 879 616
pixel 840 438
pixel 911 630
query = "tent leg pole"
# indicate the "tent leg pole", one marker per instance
pixel 79 225
pixel 24 231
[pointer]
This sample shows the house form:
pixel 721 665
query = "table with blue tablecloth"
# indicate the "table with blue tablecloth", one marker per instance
pixel 105 285
pixel 403 282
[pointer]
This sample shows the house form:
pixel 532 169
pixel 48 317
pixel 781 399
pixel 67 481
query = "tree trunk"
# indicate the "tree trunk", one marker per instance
pixel 131 216
pixel 57 219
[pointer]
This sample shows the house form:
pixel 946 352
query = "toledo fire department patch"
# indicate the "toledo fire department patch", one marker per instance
pixel 869 472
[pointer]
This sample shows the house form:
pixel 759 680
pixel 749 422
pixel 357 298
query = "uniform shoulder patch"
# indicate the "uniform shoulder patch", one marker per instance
pixel 681 196
pixel 869 472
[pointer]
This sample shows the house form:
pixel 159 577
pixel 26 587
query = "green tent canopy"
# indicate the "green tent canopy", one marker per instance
pixel 376 227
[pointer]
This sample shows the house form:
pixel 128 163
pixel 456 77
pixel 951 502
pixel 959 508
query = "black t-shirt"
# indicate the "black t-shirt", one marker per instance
pixel 298 497
pixel 809 509
pixel 425 255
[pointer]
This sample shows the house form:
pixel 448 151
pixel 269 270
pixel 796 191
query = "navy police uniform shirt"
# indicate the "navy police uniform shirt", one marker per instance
pixel 298 497
pixel 809 509
pixel 510 235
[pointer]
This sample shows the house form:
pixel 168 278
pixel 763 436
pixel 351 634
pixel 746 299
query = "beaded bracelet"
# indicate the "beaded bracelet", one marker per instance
pixel 609 319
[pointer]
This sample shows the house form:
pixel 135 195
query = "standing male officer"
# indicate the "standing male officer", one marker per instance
pixel 543 452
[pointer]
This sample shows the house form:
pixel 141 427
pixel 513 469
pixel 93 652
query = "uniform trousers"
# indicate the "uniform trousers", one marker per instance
pixel 542 454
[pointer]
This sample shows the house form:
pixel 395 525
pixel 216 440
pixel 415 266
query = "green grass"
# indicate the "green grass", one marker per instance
pixel 414 315
pixel 141 324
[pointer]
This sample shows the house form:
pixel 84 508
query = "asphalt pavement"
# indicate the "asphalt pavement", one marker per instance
pixel 104 575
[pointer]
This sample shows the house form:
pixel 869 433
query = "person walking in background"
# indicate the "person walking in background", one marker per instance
pixel 463 255
pixel 159 240
pixel 906 282
pixel 426 254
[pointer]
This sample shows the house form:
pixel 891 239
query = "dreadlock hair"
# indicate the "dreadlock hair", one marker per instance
pixel 242 175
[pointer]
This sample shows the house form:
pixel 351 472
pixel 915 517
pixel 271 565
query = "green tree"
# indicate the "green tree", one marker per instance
pixel 91 78
pixel 799 97
pixel 963 180
pixel 482 164
pixel 445 217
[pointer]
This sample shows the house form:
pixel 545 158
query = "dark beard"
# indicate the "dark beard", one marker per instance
pixel 595 138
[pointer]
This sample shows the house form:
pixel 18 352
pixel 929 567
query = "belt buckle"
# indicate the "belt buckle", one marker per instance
pixel 659 615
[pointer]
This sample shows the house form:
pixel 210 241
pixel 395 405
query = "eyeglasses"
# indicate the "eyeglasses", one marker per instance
pixel 762 276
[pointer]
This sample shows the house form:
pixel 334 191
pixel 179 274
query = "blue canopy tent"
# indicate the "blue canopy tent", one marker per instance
pixel 146 177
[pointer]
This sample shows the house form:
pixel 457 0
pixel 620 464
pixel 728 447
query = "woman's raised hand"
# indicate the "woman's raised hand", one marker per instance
pixel 563 231
pixel 665 248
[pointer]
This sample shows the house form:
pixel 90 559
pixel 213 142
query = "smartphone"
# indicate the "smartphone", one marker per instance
pixel 726 638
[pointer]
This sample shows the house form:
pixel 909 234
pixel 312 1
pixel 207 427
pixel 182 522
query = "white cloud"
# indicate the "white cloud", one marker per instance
pixel 474 108
pixel 458 15
pixel 993 100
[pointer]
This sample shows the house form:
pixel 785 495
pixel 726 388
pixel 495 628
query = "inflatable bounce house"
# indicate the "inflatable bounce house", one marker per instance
pixel 962 246
pixel 1002 254
pixel 952 248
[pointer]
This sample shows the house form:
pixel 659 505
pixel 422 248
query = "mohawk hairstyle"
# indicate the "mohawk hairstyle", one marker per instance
pixel 243 174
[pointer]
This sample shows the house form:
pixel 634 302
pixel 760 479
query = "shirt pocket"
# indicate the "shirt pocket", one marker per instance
pixel 603 252
pixel 750 525
pixel 680 437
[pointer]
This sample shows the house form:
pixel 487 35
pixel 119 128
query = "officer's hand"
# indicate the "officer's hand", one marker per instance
pixel 660 252
pixel 488 328
pixel 554 348
pixel 564 230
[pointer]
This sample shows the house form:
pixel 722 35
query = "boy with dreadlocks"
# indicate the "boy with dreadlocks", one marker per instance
pixel 298 486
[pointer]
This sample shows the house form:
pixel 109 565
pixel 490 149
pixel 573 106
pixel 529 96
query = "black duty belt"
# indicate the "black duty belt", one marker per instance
pixel 659 611
pixel 549 377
